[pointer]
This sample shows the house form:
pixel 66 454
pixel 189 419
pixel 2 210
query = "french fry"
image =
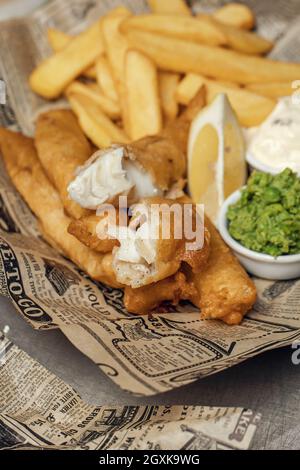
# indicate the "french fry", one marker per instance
pixel 95 124
pixel 272 90
pixel 245 41
pixel 236 14
pixel 173 7
pixel 251 109
pixel 105 79
pixel 116 47
pixel 53 75
pixel 191 84
pixel 183 56
pixel 118 11
pixel 168 83
pixel 109 107
pixel 58 40
pixel 141 82
pixel 203 30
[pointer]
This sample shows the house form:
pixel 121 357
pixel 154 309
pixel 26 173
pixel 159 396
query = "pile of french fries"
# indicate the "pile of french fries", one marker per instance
pixel 127 75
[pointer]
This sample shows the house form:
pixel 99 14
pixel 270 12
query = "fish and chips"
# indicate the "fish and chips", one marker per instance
pixel 135 84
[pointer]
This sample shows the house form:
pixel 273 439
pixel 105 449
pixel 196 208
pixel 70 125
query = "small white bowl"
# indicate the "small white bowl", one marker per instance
pixel 264 266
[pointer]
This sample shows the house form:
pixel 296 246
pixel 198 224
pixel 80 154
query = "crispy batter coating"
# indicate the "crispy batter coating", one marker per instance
pixel 85 230
pixel 172 247
pixel 29 178
pixel 224 289
pixel 145 299
pixel 62 148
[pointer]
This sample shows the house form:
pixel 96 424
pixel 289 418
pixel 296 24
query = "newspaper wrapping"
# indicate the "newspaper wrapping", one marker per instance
pixel 40 411
pixel 143 355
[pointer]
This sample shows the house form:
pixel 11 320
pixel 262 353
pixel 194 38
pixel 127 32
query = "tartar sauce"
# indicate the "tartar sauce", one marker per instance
pixel 276 143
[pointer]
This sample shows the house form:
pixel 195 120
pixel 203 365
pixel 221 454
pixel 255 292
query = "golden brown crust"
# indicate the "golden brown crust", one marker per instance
pixel 62 148
pixel 29 178
pixel 145 299
pixel 224 289
pixel 174 251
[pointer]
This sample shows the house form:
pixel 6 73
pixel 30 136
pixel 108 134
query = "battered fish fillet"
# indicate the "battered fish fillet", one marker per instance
pixel 155 245
pixel 91 231
pixel 62 147
pixel 146 168
pixel 224 289
pixel 144 300
pixel 29 178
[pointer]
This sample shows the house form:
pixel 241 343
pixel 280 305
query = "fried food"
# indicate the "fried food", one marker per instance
pixel 236 14
pixel 92 232
pixel 62 147
pixel 164 156
pixel 203 29
pixel 251 108
pixel 178 130
pixel 155 244
pixel 58 40
pixel 105 78
pixel 30 180
pixel 182 56
pixel 53 75
pixel 168 83
pixel 224 290
pixel 144 300
pixel 95 124
pixel 173 7
pixel 116 48
pixel 143 103
pixel 200 29
pixel 109 107
pixel 272 90
pixel 148 167
pixel 191 83
pixel 245 41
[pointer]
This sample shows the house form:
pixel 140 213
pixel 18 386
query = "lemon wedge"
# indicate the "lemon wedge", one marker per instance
pixel 216 156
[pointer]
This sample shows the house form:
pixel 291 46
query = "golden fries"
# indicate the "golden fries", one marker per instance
pixel 96 125
pixel 173 7
pixel 168 83
pixel 191 84
pixel 141 83
pixel 272 90
pixel 201 30
pixel 58 40
pixel 235 14
pixel 183 56
pixel 108 106
pixel 251 109
pixel 245 41
pixel 116 47
pixel 53 75
pixel 105 79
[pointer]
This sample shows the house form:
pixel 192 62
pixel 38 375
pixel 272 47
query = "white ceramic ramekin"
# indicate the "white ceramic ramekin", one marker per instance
pixel 260 265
